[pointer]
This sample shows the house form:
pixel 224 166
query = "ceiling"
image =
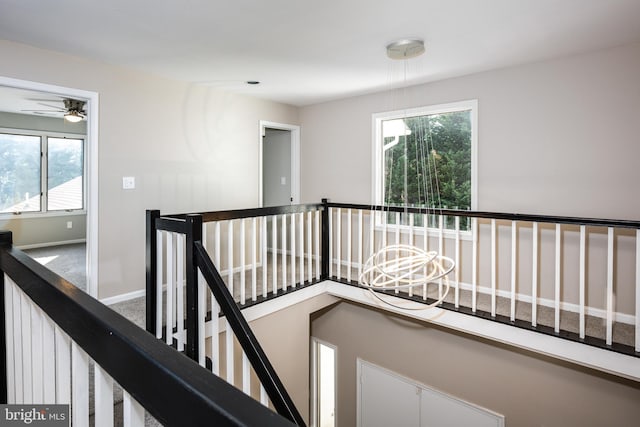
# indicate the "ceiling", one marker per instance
pixel 305 52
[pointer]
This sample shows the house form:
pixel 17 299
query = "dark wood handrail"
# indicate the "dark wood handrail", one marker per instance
pixel 269 379
pixel 169 385
pixel 595 222
pixel 250 213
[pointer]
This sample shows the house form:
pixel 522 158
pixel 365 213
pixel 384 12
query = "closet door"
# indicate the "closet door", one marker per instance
pixel 386 399
pixel 441 410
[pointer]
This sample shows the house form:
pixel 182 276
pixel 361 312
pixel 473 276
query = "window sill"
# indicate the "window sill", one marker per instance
pixel 33 215
pixel 419 231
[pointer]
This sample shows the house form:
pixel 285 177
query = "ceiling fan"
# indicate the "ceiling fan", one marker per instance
pixel 73 109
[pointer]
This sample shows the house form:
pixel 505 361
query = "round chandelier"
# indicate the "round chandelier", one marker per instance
pixel 402 267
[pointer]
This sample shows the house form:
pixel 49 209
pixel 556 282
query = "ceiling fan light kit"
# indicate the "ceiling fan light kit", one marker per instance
pixel 73 116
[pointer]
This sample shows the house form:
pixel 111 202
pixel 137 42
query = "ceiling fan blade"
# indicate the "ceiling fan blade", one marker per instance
pixel 43 100
pixel 44 111
pixel 52 106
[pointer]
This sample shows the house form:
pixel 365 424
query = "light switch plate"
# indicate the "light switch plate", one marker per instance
pixel 128 182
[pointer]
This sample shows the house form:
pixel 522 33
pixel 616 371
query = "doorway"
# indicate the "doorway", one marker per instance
pixel 279 164
pixel 90 100
pixel 324 381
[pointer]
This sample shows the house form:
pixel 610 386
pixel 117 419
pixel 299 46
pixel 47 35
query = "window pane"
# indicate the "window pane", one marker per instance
pixel 65 174
pixel 19 173
pixel 427 161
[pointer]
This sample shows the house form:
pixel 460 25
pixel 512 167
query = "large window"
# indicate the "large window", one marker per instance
pixel 425 157
pixel 41 172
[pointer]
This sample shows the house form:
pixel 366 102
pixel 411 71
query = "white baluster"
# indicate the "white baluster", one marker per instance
pixel 293 250
pixel 583 276
pixel 274 254
pixel 534 276
pixel 494 259
pixel 103 398
pixel 133 412
pixel 171 277
pixel 243 263
pixel 557 277
pixel 80 386
pixel 514 266
pixel 457 267
pixel 284 252
pixel 339 243
pixel 610 259
pixel 159 290
pixel 474 264
pixel 254 266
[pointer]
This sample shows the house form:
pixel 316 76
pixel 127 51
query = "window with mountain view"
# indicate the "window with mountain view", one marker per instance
pixel 425 158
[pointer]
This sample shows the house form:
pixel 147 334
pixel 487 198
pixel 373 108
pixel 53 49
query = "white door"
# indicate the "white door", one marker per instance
pixel 385 400
pixel 388 399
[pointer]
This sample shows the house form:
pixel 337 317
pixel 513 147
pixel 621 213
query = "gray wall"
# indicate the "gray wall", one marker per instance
pixel 190 147
pixel 529 389
pixel 49 229
pixel 31 122
pixel 556 137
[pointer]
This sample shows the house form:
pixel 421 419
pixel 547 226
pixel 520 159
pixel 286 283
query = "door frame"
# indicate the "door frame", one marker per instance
pixel 295 159
pixel 91 106
pixel 314 398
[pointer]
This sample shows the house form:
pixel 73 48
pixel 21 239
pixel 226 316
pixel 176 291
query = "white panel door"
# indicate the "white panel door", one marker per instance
pixel 386 400
pixel 440 410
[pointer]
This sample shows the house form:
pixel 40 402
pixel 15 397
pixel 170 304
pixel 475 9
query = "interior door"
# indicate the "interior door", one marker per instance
pixel 276 169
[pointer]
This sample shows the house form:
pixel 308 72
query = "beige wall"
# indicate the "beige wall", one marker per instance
pixel 190 147
pixel 556 137
pixel 33 232
pixel 530 390
pixel 284 337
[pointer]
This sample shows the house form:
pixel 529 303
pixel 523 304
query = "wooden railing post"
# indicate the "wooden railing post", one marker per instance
pixel 194 234
pixel 325 240
pixel 6 240
pixel 151 264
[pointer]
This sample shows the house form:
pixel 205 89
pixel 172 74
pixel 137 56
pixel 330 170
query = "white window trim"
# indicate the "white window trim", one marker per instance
pixel 43 212
pixel 378 158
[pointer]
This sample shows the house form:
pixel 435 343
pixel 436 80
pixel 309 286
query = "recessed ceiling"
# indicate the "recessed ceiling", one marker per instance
pixel 305 52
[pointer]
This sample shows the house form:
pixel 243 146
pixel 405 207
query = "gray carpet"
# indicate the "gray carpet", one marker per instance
pixel 68 261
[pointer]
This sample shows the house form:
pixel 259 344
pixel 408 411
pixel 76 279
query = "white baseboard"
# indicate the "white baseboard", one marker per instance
pixel 123 297
pixel 48 244
pixel 565 306
pixel 574 308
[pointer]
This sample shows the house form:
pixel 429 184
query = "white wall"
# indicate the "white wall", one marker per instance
pixel 190 147
pixel 556 137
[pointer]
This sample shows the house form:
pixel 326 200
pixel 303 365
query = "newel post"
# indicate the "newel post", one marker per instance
pixel 325 239
pixel 194 234
pixel 151 265
pixel 6 240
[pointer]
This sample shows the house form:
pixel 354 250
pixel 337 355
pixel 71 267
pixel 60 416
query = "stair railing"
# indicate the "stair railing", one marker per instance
pixel 51 331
